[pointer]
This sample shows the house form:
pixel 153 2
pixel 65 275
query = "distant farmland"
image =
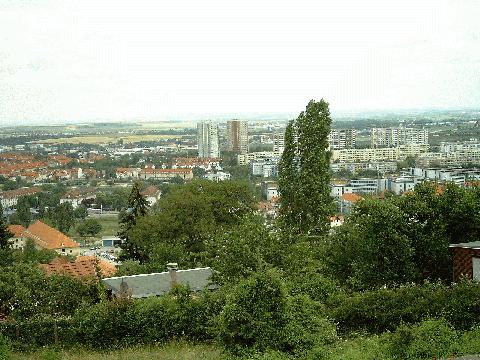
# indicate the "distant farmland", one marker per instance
pixel 109 139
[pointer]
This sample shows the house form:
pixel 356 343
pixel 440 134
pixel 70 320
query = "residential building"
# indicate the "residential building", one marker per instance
pixel 448 147
pixel 237 136
pixel 165 174
pixel 83 267
pixel 378 154
pixel 207 136
pixel 342 139
pixel 382 167
pixel 217 176
pixel 402 184
pixel 278 142
pixel 453 158
pixel 245 159
pixel 158 284
pixel 264 168
pixel 79 196
pixel 10 198
pixel 466 260
pixel 269 190
pixel 18 239
pixel 392 137
pixel 126 173
pixel 152 194
pixel 46 237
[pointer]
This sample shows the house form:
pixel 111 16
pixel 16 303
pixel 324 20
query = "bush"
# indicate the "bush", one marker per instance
pixel 5 348
pixel 259 315
pixel 426 340
pixel 382 310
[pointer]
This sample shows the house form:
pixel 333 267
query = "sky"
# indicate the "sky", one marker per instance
pixel 80 61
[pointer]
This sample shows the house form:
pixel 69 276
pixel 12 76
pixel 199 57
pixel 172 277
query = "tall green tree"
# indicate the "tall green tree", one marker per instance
pixel 23 214
pixel 5 235
pixel 304 180
pixel 62 216
pixel 137 206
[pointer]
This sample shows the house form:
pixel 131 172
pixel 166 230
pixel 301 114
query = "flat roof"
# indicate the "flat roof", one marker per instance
pixel 469 245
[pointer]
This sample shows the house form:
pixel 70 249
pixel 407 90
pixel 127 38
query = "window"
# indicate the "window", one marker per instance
pixel 476 268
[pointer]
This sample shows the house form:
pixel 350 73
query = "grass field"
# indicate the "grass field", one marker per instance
pixel 172 351
pixel 110 138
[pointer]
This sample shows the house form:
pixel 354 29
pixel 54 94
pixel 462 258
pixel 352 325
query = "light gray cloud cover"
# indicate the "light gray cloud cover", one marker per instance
pixel 63 60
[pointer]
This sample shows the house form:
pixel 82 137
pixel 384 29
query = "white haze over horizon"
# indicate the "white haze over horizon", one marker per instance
pixel 70 60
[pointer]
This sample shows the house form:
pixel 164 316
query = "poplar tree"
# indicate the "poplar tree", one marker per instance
pixel 304 179
pixel 5 234
pixel 137 206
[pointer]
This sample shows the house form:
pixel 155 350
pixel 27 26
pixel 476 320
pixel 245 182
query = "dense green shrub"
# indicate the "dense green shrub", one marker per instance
pixel 380 310
pixel 426 340
pixel 259 315
pixel 5 348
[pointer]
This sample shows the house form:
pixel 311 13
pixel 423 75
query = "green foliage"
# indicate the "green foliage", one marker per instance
pixel 254 314
pixel 259 315
pixel 426 340
pixel 382 310
pixel 241 250
pixel 404 239
pixel 62 216
pixel 186 217
pixel 81 212
pixel 304 178
pixel 5 348
pixel 89 227
pixel 5 235
pixel 30 254
pixel 26 292
pixel 23 214
pixel 137 207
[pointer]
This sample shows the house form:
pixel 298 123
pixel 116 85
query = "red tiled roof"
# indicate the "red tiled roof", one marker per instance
pixel 150 191
pixel 83 266
pixel 19 192
pixel 166 171
pixel 49 238
pixel 16 230
pixel 351 197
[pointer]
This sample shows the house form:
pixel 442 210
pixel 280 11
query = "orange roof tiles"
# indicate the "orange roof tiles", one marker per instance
pixel 49 238
pixel 150 191
pixel 83 266
pixel 16 230
pixel 351 197
pixel 19 192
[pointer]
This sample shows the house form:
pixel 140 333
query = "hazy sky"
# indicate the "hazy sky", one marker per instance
pixel 82 60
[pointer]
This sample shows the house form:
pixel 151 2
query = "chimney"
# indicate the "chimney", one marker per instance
pixel 172 269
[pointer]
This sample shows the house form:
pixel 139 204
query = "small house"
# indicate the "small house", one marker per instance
pixel 466 260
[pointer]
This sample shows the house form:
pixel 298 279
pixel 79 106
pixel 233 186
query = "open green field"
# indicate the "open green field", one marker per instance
pixel 172 351
pixel 108 139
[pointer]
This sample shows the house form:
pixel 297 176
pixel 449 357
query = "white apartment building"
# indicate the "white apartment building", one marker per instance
pixel 378 154
pixel 342 139
pixel 448 147
pixel 380 166
pixel 207 135
pixel 245 159
pixel 391 137
pixel 453 158
pixel 278 142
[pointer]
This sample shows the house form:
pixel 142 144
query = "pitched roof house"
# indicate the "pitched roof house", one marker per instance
pixel 18 238
pixel 46 237
pixel 158 284
pixel 466 260
pixel 82 267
